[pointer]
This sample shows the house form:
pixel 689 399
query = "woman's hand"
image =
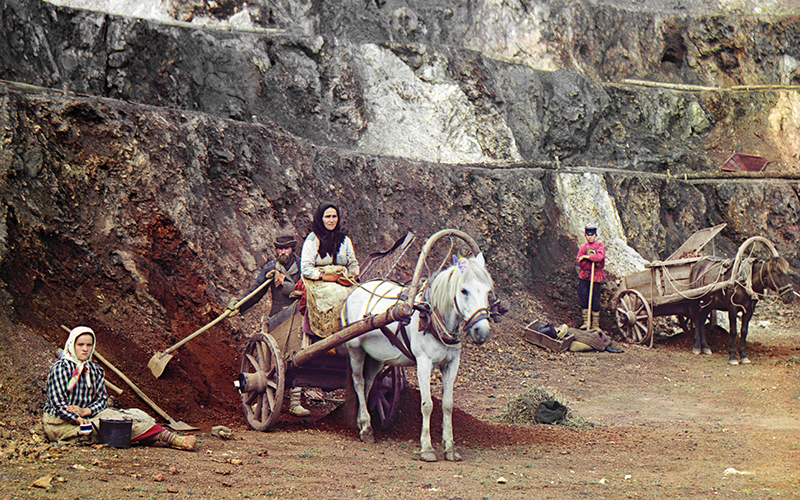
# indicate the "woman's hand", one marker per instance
pixel 330 278
pixel 81 412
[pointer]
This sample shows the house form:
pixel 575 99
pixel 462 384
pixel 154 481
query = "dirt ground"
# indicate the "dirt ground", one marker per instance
pixel 666 424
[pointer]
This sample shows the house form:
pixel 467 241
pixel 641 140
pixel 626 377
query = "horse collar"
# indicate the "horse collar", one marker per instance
pixel 434 323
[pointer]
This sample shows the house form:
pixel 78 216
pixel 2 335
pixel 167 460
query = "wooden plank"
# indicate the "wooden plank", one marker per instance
pixel 676 279
pixel 677 262
pixel 639 279
pixel 696 242
pixel 529 334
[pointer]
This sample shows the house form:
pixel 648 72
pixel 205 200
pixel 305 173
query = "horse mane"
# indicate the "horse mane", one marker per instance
pixel 781 264
pixel 447 283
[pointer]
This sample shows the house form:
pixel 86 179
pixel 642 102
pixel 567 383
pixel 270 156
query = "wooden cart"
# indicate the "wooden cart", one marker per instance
pixel 663 288
pixel 284 357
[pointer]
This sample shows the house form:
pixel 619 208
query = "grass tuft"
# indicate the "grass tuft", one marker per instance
pixel 522 410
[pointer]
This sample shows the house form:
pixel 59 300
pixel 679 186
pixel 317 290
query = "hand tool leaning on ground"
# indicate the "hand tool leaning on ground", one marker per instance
pixel 591 291
pixel 160 359
pixel 175 426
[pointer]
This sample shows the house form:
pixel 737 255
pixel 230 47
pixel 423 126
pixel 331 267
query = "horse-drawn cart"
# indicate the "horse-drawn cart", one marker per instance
pixel 284 356
pixel 666 288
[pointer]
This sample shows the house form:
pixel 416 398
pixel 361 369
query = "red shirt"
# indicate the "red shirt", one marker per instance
pixel 597 254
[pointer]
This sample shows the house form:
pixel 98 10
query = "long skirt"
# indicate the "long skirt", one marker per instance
pixel 57 429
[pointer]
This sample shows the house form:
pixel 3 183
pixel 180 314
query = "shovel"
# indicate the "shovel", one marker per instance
pixel 160 359
pixel 591 290
pixel 175 426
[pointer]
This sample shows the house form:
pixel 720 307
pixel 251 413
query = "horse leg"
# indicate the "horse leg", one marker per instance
pixel 357 356
pixel 746 316
pixel 703 340
pixel 733 359
pixel 700 344
pixel 424 369
pixel 449 372
pixel 696 315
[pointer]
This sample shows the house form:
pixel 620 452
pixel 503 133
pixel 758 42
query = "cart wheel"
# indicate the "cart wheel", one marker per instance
pixel 384 397
pixel 634 317
pixel 261 382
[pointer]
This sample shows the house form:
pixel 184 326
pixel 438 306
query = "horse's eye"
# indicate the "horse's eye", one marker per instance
pixel 464 291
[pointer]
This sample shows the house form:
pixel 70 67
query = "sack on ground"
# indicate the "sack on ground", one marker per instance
pixel 550 412
pixel 588 340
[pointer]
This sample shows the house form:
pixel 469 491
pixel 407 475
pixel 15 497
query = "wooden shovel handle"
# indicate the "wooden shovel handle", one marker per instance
pixel 128 381
pixel 228 312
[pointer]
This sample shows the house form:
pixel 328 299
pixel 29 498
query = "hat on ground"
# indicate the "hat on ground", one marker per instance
pixel 590 231
pixel 285 241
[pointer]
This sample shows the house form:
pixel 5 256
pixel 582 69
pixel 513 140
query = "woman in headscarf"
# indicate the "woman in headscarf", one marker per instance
pixel 327 245
pixel 76 396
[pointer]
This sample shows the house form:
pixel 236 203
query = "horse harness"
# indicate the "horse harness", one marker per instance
pixel 744 279
pixel 431 321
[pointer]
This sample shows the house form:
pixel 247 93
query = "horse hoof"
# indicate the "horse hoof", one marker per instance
pixel 427 456
pixel 695 351
pixel 733 362
pixel 452 456
pixel 745 361
pixel 366 436
pixel 707 351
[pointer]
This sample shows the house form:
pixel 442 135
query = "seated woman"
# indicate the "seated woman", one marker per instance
pixel 327 256
pixel 76 396
pixel 327 245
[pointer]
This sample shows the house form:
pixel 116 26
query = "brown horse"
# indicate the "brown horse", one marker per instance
pixel 740 295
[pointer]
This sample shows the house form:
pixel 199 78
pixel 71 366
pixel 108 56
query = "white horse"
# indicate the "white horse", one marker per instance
pixel 453 307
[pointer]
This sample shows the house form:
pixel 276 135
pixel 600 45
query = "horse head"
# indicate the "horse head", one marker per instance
pixel 462 295
pixel 774 275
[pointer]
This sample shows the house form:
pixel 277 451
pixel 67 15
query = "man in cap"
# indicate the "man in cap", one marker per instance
pixel 286 265
pixel 591 252
pixel 287 272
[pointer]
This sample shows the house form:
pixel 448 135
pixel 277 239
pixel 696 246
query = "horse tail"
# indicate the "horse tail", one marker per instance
pixel 350 406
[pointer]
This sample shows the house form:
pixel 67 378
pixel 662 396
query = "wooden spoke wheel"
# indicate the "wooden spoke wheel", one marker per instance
pixel 634 317
pixel 384 396
pixel 261 382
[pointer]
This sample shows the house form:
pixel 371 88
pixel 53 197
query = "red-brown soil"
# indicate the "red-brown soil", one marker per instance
pixel 667 424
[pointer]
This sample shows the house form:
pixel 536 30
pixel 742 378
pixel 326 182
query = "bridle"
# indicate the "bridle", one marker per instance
pixel 467 325
pixel 781 290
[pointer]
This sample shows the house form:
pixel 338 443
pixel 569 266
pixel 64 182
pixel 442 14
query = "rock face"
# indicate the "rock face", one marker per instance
pixel 142 192
pixel 373 76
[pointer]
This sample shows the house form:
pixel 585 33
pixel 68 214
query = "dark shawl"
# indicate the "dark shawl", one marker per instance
pixel 329 241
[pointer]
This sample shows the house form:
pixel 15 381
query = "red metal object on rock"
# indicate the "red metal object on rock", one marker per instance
pixel 742 162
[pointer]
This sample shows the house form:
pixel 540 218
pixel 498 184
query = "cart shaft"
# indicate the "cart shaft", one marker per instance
pixel 398 312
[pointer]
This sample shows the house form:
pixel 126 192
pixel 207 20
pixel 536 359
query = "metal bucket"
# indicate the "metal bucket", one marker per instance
pixel 115 433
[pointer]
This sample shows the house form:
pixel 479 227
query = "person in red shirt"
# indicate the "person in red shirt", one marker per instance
pixel 591 252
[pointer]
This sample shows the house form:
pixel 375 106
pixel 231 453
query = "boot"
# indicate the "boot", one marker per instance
pixel 586 320
pixel 596 320
pixel 175 441
pixel 296 404
pixel 184 443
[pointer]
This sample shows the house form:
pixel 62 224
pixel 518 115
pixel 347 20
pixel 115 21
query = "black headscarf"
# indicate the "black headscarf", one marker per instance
pixel 329 241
